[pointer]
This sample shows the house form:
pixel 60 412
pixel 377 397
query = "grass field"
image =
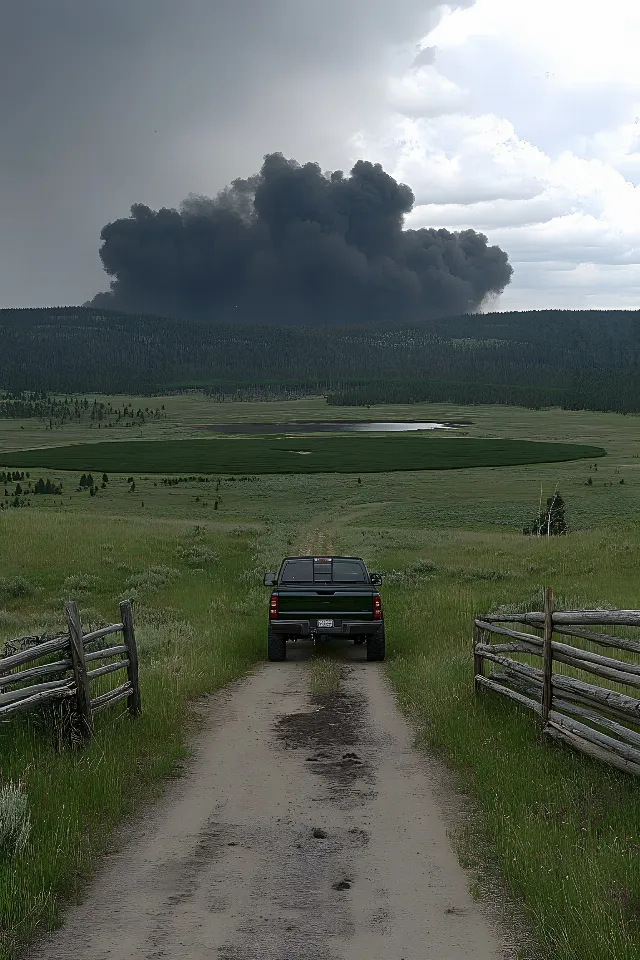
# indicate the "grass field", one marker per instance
pixel 557 831
pixel 370 454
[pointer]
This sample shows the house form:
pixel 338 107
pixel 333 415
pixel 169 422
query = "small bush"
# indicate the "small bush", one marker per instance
pixel 156 636
pixel 15 587
pixel 79 584
pixel 197 556
pixel 15 821
pixel 151 579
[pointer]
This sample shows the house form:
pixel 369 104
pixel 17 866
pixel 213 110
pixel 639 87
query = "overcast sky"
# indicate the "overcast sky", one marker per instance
pixel 521 120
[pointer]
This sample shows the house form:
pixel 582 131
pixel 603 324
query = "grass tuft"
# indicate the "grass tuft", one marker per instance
pixel 325 675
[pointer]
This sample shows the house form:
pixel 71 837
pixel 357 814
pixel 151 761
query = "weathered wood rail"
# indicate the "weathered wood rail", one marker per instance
pixel 79 659
pixel 608 724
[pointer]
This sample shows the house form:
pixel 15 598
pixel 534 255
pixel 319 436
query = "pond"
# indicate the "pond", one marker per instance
pixel 337 426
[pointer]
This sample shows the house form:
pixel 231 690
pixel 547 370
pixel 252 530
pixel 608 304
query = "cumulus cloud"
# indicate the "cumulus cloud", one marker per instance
pixel 525 124
pixel 424 92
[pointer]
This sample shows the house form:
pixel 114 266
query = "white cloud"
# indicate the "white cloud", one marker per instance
pixel 524 122
pixel 424 92
pixel 459 159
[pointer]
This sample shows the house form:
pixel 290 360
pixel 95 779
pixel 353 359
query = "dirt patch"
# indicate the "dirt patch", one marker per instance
pixel 333 735
pixel 298 907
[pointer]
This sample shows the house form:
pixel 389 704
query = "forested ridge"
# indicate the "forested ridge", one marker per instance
pixel 574 359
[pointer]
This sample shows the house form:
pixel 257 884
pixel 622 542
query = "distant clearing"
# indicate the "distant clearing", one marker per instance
pixel 325 455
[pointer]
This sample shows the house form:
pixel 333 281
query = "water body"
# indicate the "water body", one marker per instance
pixel 337 426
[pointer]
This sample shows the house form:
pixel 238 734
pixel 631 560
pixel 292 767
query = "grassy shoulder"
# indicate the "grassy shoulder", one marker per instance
pixel 198 620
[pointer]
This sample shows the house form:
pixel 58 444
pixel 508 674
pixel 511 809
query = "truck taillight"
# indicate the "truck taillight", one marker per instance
pixel 273 608
pixel 377 607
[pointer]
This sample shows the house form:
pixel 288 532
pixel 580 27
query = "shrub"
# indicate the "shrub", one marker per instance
pixel 15 587
pixel 197 555
pixel 79 583
pixel 151 579
pixel 15 821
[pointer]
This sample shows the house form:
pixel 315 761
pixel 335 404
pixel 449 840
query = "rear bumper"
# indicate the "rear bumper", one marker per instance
pixel 304 628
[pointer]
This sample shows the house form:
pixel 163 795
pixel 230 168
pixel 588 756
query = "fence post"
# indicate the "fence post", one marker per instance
pixel 76 645
pixel 547 656
pixel 128 632
pixel 478 659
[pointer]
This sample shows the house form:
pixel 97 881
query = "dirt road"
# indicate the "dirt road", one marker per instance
pixel 303 829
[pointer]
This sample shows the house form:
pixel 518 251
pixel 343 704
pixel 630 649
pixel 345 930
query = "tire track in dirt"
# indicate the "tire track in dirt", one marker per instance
pixel 315 542
pixel 304 828
pixel 319 540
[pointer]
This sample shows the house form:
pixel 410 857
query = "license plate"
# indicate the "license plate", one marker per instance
pixel 325 623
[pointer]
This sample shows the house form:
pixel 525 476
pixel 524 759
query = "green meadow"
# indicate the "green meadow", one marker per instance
pixel 342 454
pixel 548 832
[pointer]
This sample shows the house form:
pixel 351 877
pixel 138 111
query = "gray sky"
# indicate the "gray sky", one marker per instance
pixel 104 103
pixel 522 120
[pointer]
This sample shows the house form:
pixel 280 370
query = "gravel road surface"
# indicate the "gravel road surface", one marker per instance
pixel 304 828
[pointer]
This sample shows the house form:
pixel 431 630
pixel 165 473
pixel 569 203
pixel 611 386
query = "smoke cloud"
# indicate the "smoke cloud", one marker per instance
pixel 295 245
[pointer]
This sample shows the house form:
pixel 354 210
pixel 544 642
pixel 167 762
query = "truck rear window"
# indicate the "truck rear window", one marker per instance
pixel 349 571
pixel 323 571
pixel 297 571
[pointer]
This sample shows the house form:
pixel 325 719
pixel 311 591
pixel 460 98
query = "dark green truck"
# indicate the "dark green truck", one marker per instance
pixel 323 597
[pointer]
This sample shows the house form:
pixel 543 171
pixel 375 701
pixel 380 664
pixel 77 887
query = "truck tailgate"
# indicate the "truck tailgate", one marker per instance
pixel 326 603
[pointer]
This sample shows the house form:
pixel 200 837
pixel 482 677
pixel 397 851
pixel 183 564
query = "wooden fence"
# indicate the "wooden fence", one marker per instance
pixel 80 658
pixel 559 697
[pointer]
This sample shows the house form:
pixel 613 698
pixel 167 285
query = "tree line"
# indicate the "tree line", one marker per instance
pixel 571 359
pixel 58 410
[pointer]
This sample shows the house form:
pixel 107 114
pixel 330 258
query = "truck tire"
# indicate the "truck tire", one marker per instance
pixel 277 645
pixel 376 646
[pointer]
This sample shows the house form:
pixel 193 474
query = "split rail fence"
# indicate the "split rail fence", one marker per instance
pixel 608 717
pixel 80 659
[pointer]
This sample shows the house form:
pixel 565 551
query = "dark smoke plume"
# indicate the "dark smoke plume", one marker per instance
pixel 294 245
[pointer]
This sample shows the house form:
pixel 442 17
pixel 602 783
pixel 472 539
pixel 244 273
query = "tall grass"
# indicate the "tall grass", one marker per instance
pixel 326 672
pixel 15 821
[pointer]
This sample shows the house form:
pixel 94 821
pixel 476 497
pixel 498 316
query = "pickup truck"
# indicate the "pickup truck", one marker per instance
pixel 323 597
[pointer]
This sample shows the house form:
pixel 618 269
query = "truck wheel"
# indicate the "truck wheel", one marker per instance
pixel 375 646
pixel 276 645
